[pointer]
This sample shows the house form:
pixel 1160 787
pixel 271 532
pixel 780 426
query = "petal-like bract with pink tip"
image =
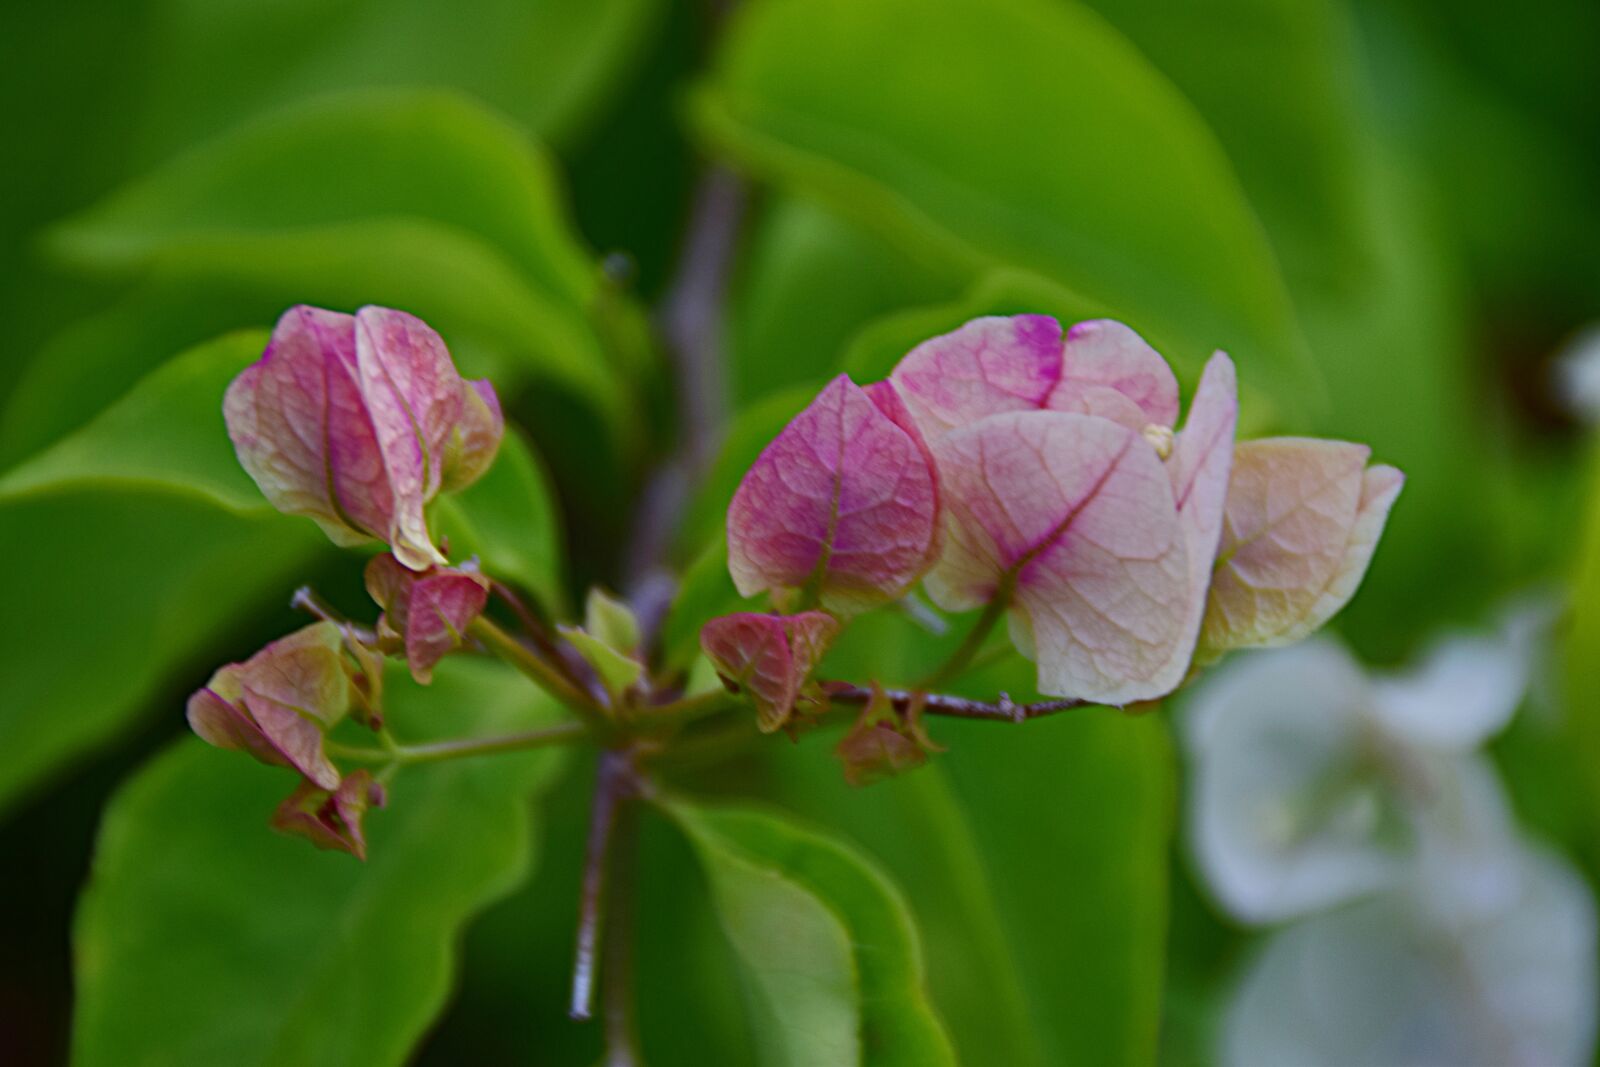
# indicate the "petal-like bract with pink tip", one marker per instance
pixel 1075 514
pixel 843 504
pixel 1300 524
pixel 331 819
pixel 769 656
pixel 1201 460
pixel 476 441
pixel 988 366
pixel 276 705
pixel 346 419
pixel 1110 371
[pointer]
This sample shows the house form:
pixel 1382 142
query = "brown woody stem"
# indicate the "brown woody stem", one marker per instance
pixel 614 786
pixel 1003 710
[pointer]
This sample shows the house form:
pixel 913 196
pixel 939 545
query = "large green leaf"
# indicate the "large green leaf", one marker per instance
pixel 204 938
pixel 1277 81
pixel 546 63
pixel 808 280
pixel 418 199
pixel 831 961
pixel 1046 895
pixel 134 540
pixel 1012 132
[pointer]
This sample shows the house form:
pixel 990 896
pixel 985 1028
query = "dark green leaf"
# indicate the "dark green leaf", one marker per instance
pixel 206 939
pixel 1012 133
pixel 133 540
pixel 832 965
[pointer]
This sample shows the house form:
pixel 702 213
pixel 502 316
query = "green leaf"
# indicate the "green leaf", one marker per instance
pixel 204 938
pixel 830 956
pixel 439 156
pixel 495 322
pixel 417 198
pixel 509 518
pixel 133 541
pixel 547 64
pixel 1047 895
pixel 1012 133
pixel 807 282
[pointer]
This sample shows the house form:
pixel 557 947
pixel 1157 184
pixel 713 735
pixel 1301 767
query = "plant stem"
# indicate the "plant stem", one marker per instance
pixel 614 784
pixel 973 643
pixel 307 600
pixel 544 675
pixel 617 952
pixel 566 733
pixel 1003 710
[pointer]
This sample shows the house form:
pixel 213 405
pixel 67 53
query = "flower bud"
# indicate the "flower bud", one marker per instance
pixel 883 742
pixel 331 819
pixel 1301 521
pixel 277 705
pixel 769 656
pixel 840 509
pixel 357 421
pixel 425 615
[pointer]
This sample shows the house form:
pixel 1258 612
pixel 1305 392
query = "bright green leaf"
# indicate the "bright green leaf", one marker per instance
pixel 204 938
pixel 546 63
pixel 133 541
pixel 1012 133
pixel 509 518
pixel 833 968
pixel 617 671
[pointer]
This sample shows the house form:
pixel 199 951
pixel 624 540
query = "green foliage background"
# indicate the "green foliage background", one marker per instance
pixel 1387 212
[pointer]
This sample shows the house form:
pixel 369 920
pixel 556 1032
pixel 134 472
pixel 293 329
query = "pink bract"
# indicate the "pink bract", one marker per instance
pixel 769 656
pixel 347 419
pixel 842 505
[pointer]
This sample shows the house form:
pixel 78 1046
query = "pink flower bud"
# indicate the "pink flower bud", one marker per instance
pixel 883 742
pixel 841 507
pixel 769 656
pixel 277 705
pixel 353 420
pixel 425 615
pixel 331 819
pixel 1302 519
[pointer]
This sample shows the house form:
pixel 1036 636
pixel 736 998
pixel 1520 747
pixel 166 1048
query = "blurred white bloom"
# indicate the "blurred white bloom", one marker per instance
pixel 1312 784
pixel 1390 982
pixel 1577 374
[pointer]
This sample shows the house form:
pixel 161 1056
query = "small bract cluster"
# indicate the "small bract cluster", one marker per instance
pixel 1041 474
pixel 356 421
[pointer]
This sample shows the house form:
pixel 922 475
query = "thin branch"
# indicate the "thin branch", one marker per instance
pixel 691 321
pixel 614 784
pixel 567 733
pixel 1003 710
pixel 962 657
pixel 306 599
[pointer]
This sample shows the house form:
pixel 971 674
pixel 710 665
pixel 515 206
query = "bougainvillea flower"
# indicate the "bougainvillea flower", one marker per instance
pixel 1024 363
pixel 1301 521
pixel 425 615
pixel 350 420
pixel 840 509
pixel 1200 462
pixel 331 819
pixel 769 656
pixel 277 704
pixel 1073 518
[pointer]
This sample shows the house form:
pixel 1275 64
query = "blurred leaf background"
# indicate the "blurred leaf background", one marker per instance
pixel 1387 212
